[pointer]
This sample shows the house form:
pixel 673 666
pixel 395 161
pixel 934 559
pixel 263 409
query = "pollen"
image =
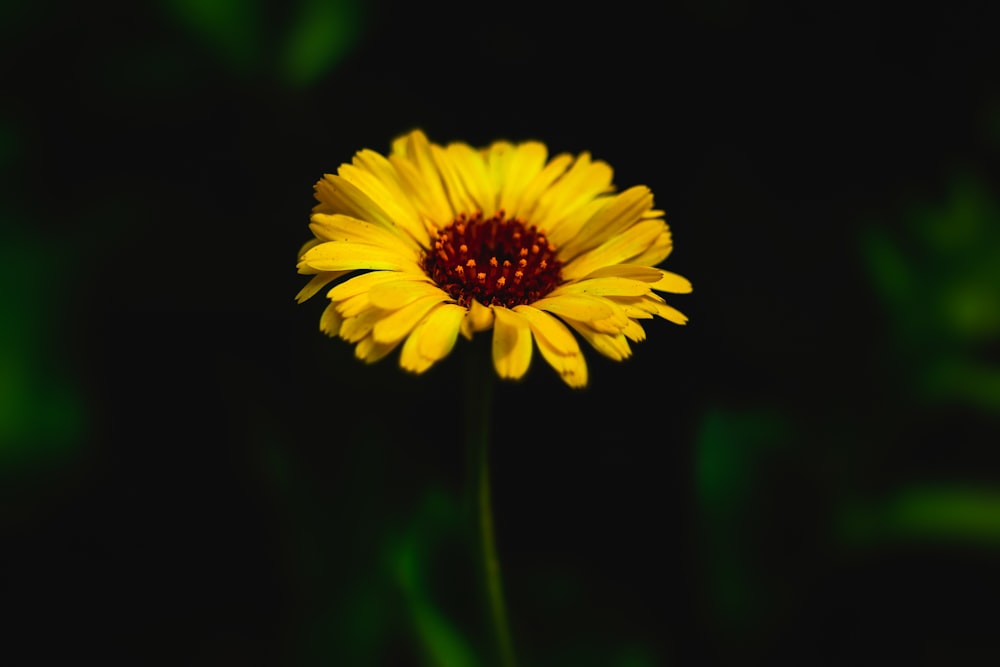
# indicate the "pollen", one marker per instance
pixel 498 261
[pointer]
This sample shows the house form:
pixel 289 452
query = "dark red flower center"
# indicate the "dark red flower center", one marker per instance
pixel 497 261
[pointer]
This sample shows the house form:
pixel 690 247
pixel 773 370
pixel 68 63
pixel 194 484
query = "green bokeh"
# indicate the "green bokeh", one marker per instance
pixel 232 28
pixel 927 513
pixel 321 34
pixel 42 413
pixel 730 449
pixel 409 558
pixel 297 43
pixel 939 279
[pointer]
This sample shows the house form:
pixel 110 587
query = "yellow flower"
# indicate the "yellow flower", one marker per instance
pixel 432 241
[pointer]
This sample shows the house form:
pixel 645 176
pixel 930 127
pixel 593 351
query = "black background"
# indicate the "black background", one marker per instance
pixel 236 476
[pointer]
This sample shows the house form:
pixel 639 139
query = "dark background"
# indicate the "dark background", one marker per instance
pixel 805 474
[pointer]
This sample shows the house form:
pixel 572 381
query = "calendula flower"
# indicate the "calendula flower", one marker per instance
pixel 434 241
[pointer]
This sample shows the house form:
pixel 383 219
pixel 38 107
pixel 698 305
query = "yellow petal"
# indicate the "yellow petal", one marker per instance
pixel 511 343
pixel 376 177
pixel 604 286
pixel 617 250
pixel 363 284
pixel 658 251
pixel 343 228
pixel 358 196
pixel 613 346
pixel 311 243
pixel 428 197
pixel 633 271
pixel 419 177
pixel 618 214
pixel 432 339
pixel 525 207
pixel 442 325
pixel 354 305
pixel 600 313
pixel 475 178
pixel 319 281
pixel 403 145
pixel 654 305
pixel 397 325
pixel 395 294
pixel 330 321
pixel 513 170
pixel 578 187
pixel 671 282
pixel 633 307
pixel 557 345
pixel 353 329
pixel 369 350
pixel 350 256
pixel 498 157
pixel 611 325
pixel 671 314
pixel 634 331
pixel 497 154
pixel 376 164
pixel 459 196
pixel 477 318
pixel 336 194
pixel 549 328
pixel 575 306
pixel 409 358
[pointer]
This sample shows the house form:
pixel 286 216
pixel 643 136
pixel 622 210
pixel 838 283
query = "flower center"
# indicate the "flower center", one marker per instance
pixel 497 261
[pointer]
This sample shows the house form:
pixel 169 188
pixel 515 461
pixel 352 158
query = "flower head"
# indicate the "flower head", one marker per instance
pixel 434 241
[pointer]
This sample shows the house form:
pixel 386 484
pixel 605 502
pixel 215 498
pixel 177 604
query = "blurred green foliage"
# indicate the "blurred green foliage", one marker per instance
pixel 409 557
pixel 389 589
pixel 42 412
pixel 938 514
pixel 298 48
pixel 731 448
pixel 322 33
pixel 234 28
pixel 940 282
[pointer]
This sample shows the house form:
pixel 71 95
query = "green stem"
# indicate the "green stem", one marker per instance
pixel 479 395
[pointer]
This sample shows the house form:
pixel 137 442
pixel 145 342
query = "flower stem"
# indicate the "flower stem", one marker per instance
pixel 479 394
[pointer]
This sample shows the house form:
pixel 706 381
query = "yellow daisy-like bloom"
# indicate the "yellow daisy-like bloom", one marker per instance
pixel 440 240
